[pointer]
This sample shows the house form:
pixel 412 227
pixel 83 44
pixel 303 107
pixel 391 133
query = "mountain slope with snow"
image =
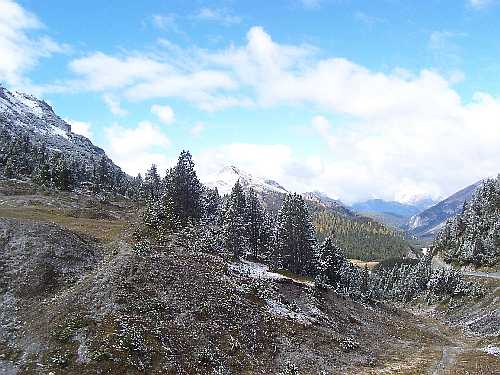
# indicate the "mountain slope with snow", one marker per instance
pixel 427 223
pixel 25 115
pixel 225 179
pixel 28 122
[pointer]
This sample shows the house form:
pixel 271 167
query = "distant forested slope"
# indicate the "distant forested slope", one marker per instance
pixel 363 239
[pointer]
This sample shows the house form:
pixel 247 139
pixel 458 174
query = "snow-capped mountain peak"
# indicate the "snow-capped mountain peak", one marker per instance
pixel 225 179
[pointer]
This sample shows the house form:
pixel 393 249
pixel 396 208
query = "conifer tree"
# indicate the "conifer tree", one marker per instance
pixel 152 183
pixel 234 229
pixel 330 261
pixel 212 207
pixel 294 241
pixel 257 230
pixel 62 178
pixel 472 236
pixel 184 190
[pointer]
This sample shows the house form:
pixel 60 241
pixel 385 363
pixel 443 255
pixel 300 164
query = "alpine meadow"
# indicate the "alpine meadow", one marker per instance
pixel 229 187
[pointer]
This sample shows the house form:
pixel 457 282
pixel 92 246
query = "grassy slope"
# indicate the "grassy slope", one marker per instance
pixel 119 292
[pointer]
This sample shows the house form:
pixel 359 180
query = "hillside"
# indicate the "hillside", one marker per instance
pixel 363 238
pixel 37 144
pixel 75 301
pixel 427 223
pixel 473 236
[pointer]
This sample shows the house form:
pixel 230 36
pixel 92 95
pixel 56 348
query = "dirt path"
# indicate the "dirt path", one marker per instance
pixel 461 353
pixel 448 360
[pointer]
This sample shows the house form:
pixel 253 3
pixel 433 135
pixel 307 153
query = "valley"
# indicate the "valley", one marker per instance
pixel 296 329
pixel 103 273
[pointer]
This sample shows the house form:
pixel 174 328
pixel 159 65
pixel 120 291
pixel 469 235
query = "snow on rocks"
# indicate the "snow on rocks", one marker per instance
pixel 492 349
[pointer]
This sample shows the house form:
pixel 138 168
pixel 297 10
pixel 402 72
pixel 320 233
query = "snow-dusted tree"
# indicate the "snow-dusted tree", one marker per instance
pixel 212 204
pixel 472 236
pixel 152 183
pixel 294 238
pixel 184 190
pixel 159 215
pixel 257 225
pixel 330 261
pixel 234 224
pixel 62 175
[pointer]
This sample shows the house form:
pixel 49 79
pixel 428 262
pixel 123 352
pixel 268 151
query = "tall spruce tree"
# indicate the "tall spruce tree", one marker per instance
pixel 152 183
pixel 212 207
pixel 294 241
pixel 234 228
pixel 258 233
pixel 184 191
pixel 330 262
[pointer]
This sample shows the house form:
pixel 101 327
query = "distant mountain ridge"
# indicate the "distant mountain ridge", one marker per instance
pixel 382 206
pixel 225 179
pixel 392 213
pixel 270 191
pixel 428 222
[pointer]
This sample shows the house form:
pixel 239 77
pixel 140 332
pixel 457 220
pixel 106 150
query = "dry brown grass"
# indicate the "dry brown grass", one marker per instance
pixel 362 264
pixel 103 230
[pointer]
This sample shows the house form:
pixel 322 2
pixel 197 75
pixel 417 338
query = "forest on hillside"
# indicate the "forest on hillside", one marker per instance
pixel 361 239
pixel 473 236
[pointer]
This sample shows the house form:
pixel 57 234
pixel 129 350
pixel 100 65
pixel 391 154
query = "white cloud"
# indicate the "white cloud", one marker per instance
pixel 402 131
pixel 368 19
pixel 165 113
pixel 311 4
pixel 103 72
pixel 114 105
pixel 165 21
pixel 274 161
pixel 197 129
pixel 480 4
pixel 80 127
pixel 144 77
pixel 408 134
pixel 135 149
pixel 222 15
pixel 19 49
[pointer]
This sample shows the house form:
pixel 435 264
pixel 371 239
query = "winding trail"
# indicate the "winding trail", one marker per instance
pixel 447 360
pixel 460 344
pixel 439 263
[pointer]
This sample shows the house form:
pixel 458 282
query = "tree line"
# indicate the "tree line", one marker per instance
pixel 20 158
pixel 179 206
pixel 473 236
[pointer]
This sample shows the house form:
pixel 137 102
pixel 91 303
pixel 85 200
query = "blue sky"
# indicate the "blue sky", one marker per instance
pixel 360 99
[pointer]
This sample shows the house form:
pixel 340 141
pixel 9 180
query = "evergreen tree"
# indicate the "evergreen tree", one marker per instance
pixel 234 229
pixel 62 175
pixel 212 207
pixel 294 241
pixel 42 175
pixel 9 169
pixel 472 237
pixel 152 183
pixel 330 262
pixel 258 233
pixel 184 190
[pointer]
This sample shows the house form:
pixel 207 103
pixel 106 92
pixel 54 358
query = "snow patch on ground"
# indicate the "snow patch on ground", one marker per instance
pixel 30 102
pixel 280 309
pixel 261 272
pixel 58 131
pixel 492 349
